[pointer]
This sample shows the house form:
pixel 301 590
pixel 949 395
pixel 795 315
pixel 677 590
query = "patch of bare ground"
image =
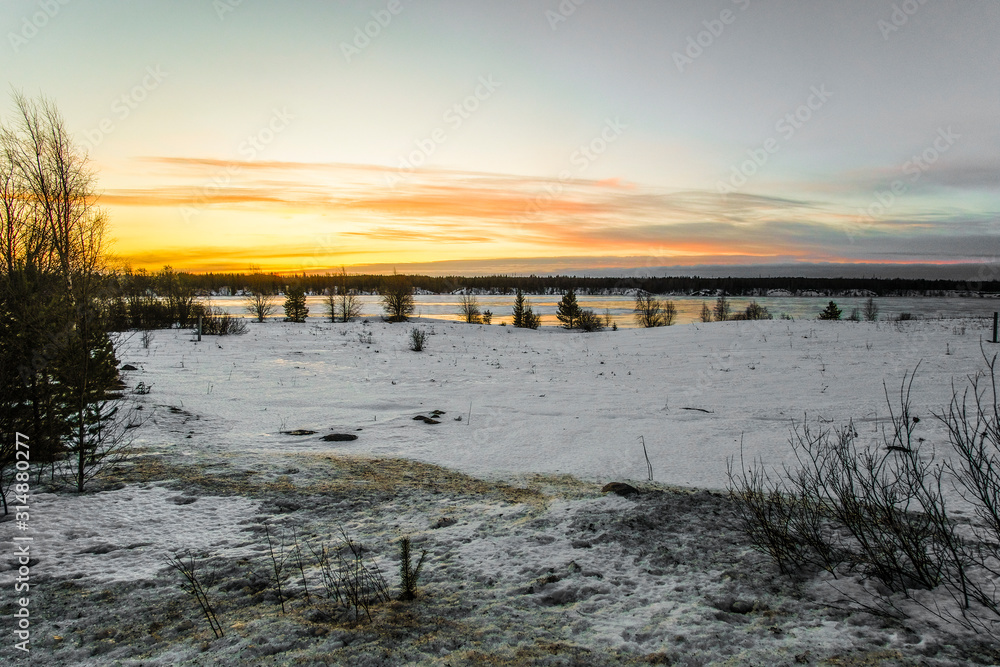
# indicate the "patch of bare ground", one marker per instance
pixel 542 570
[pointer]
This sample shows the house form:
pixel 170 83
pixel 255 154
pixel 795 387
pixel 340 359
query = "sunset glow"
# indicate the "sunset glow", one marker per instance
pixel 491 136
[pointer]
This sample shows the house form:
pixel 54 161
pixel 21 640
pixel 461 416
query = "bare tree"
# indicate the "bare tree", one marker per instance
pixel 648 310
pixel 651 312
pixel 468 307
pixel 396 293
pixel 870 310
pixel 259 299
pixel 347 305
pixel 722 309
pixel 259 303
pixel 54 276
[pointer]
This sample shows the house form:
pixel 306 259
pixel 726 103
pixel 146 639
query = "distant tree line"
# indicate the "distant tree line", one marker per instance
pixel 204 283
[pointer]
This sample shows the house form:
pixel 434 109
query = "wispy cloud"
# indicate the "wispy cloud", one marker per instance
pixel 436 211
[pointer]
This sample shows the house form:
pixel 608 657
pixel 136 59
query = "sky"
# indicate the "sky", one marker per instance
pixel 479 137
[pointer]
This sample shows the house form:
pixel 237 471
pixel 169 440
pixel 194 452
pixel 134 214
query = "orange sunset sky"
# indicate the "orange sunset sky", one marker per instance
pixel 477 137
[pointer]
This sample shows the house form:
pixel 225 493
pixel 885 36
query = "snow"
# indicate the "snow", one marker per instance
pixel 550 401
pixel 124 534
pixel 527 559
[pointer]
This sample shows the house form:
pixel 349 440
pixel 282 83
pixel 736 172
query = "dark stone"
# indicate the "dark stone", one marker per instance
pixel 339 437
pixel 299 431
pixel 620 488
pixel 426 420
pixel 129 367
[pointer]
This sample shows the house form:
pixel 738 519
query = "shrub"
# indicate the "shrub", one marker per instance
pixel 417 339
pixel 589 321
pixel 197 585
pixel 487 317
pixel 831 312
pixel 879 511
pixel 216 322
pixel 755 311
pixel 351 581
pixel 904 317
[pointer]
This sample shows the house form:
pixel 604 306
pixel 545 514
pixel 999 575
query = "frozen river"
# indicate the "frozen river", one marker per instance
pixel 445 306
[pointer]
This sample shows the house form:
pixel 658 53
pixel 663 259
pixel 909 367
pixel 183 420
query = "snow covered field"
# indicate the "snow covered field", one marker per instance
pixel 528 562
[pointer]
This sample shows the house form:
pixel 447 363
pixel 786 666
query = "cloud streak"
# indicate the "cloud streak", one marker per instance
pixel 436 211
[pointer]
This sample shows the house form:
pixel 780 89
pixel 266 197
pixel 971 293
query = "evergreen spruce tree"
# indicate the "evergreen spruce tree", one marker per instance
pixel 519 309
pixel 524 317
pixel 295 305
pixel 831 312
pixel 531 321
pixel 569 310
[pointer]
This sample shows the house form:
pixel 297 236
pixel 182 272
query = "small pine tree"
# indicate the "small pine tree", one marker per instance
pixel 295 305
pixel 520 307
pixel 531 321
pixel 569 310
pixel 831 312
pixel 408 573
